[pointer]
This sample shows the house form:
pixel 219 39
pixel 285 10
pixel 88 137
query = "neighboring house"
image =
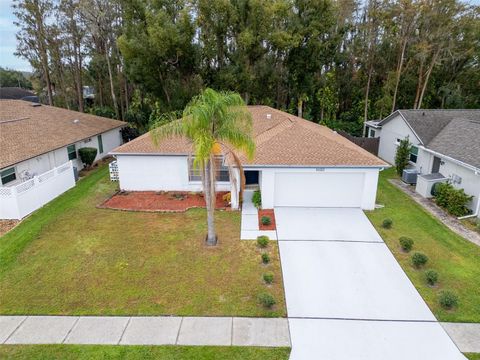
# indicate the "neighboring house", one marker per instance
pixel 297 163
pixel 16 93
pixel 445 147
pixel 37 140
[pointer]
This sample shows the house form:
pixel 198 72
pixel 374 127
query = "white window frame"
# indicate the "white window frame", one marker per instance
pixel 194 175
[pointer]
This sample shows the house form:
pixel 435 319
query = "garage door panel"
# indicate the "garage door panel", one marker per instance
pixel 319 189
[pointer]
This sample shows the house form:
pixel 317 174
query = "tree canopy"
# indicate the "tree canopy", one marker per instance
pixel 334 61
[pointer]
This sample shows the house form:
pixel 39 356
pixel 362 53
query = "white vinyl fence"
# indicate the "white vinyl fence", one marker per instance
pixel 18 201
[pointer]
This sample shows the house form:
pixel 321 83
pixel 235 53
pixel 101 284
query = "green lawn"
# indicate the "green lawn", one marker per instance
pixel 456 260
pixel 73 258
pixel 87 352
pixel 472 356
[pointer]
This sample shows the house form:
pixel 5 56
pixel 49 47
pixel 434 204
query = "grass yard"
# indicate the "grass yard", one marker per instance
pixel 456 260
pixel 72 258
pixel 87 352
pixel 472 356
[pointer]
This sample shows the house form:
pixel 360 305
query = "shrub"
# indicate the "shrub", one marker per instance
pixel 387 223
pixel 266 220
pixel 87 155
pixel 431 276
pixel 447 299
pixel 406 243
pixel 227 198
pixel 263 241
pixel 257 199
pixel 453 200
pixel 419 259
pixel 268 277
pixel 265 258
pixel 402 156
pixel 267 300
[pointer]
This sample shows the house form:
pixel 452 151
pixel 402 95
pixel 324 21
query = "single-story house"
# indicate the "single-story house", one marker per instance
pixel 297 163
pixel 35 138
pixel 445 147
pixel 39 152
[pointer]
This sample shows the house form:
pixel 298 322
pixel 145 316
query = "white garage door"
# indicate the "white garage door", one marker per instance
pixel 319 189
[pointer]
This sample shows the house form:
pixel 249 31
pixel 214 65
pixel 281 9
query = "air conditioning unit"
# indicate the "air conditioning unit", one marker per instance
pixel 409 176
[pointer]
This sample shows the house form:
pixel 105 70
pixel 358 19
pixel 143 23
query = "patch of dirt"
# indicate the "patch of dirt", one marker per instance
pixel 171 201
pixel 86 171
pixel 271 214
pixel 7 225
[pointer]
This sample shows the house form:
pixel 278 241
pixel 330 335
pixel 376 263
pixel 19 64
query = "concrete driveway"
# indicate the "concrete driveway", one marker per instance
pixel 347 297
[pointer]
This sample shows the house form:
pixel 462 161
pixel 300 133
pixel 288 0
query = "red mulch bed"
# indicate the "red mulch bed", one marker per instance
pixel 271 214
pixel 172 201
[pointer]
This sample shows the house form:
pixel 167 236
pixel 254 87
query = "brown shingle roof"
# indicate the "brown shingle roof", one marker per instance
pixel 27 131
pixel 282 139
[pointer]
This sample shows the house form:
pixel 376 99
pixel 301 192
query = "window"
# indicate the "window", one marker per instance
pixel 72 152
pixel 8 175
pixel 100 144
pixel 222 171
pixel 413 154
pixel 372 133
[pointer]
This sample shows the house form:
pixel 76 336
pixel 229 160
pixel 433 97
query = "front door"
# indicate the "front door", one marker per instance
pixel 436 165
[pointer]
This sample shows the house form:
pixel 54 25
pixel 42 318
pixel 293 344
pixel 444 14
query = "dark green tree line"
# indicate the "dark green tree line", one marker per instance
pixel 339 62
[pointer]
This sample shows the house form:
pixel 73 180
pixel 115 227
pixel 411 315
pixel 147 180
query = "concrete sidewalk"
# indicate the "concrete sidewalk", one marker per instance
pixel 152 330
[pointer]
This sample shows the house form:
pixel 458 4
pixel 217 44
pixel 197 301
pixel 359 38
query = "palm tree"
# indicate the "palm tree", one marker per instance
pixel 214 122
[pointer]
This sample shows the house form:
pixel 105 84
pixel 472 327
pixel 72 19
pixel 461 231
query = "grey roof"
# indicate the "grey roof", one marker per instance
pixel 16 93
pixel 459 139
pixel 454 133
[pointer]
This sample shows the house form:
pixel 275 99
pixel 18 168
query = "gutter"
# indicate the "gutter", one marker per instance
pixel 470 167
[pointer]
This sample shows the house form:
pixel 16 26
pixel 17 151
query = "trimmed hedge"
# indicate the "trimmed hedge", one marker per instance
pixel 87 155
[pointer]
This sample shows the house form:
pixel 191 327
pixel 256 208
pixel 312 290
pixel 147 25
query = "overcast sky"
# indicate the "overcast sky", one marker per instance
pixel 8 41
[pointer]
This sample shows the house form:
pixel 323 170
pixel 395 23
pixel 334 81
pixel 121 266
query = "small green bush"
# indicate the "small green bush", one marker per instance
pixel 431 276
pixel 419 259
pixel 406 243
pixel 387 223
pixel 257 199
pixel 453 200
pixel 447 299
pixel 267 300
pixel 266 220
pixel 268 277
pixel 265 258
pixel 87 155
pixel 263 241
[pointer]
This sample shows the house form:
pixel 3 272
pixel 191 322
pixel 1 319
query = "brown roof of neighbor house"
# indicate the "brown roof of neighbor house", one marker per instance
pixel 281 139
pixel 28 130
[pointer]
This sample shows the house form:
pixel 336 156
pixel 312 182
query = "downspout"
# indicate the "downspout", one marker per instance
pixel 475 214
pixel 474 169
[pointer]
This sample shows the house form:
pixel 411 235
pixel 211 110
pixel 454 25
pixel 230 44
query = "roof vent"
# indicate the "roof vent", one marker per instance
pixel 76 121
pixel 35 105
pixel 269 116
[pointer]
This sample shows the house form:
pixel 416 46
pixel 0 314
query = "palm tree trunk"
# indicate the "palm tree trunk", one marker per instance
pixel 209 190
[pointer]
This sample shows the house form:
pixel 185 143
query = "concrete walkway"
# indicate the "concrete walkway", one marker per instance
pixel 451 222
pixel 249 227
pixel 162 330
pixel 465 335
